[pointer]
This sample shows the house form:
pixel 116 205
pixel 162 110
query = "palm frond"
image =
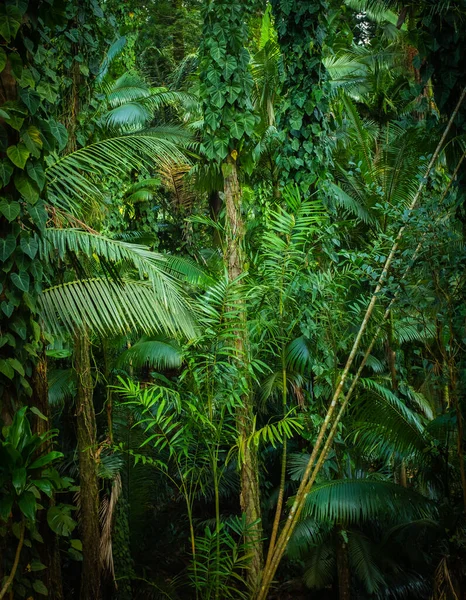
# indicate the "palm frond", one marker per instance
pixel 77 177
pixel 158 353
pixel 111 308
pixel 354 500
pixel 361 556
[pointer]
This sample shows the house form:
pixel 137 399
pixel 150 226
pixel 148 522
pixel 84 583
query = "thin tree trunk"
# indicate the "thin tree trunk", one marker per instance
pixel 49 551
pixel 89 488
pixel 343 569
pixel 249 476
pixel 391 357
pixel 177 31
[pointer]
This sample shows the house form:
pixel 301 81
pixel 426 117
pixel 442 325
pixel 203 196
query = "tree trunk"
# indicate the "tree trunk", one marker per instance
pixel 177 31
pixel 344 574
pixel 49 551
pixel 89 488
pixel 249 476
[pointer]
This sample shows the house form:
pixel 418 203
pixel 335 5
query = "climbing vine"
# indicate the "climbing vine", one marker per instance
pixel 28 136
pixel 226 83
pixel 305 152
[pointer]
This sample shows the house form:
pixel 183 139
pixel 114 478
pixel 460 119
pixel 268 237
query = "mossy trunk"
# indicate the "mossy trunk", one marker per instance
pixel 249 475
pixel 89 484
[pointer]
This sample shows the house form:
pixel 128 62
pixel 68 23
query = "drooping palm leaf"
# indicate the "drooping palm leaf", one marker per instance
pixel 158 353
pixel 355 500
pixel 77 177
pixel 110 307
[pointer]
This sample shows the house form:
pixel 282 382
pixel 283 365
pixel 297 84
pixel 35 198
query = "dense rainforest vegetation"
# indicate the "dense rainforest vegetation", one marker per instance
pixel 232 299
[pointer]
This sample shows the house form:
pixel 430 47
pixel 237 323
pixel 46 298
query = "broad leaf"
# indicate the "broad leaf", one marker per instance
pixel 21 280
pixel 18 155
pixel 29 246
pixel 46 459
pixel 27 188
pixel 10 210
pixel 7 247
pixel 28 505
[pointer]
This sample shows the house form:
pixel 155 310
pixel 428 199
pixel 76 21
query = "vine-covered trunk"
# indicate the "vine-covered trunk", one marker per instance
pixel 249 476
pixel 89 488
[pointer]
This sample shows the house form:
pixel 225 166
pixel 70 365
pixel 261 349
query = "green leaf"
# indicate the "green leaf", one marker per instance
pixel 31 99
pixel 46 459
pixel 7 247
pixel 6 369
pixel 59 132
pixel 27 80
pixel 218 98
pixel 19 479
pixel 46 91
pixel 36 173
pixel 217 53
pixel 18 155
pixel 28 505
pixel 2 59
pixel 10 21
pixel 6 171
pixel 29 246
pixel 60 521
pixel 44 485
pixel 40 588
pixel 16 65
pixel 21 280
pixel 7 309
pixel 17 366
pixel 237 129
pixel 36 565
pixel 27 188
pixel 77 545
pixel 33 141
pixel 249 122
pixel 37 412
pixel 38 214
pixel 6 504
pixel 230 66
pixel 10 210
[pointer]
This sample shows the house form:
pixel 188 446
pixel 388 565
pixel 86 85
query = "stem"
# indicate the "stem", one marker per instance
pixel 14 568
pixel 281 492
pixel 310 474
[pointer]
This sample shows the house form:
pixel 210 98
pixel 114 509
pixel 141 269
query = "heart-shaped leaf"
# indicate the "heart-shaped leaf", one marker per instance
pixel 29 246
pixel 59 132
pixel 6 369
pixel 7 246
pixel 31 99
pixel 21 280
pixel 7 308
pixel 18 155
pixel 27 188
pixel 10 21
pixel 36 173
pixel 10 210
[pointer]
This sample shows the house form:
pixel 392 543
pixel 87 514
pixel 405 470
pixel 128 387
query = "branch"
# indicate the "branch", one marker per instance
pixel 11 576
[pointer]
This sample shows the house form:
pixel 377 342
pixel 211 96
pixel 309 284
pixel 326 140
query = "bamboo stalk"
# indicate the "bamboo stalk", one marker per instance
pixel 310 474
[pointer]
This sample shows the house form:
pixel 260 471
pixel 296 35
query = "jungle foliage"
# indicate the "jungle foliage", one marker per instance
pixel 232 299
